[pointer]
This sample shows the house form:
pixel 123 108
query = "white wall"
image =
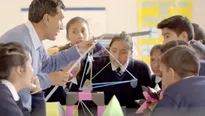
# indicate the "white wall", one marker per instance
pixel 198 12
pixel 120 15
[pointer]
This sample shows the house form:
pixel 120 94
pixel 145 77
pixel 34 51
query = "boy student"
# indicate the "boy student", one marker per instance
pixel 199 33
pixel 176 27
pixel 174 43
pixel 184 94
pixel 45 22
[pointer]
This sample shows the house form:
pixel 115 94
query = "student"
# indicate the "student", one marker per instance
pixel 16 73
pixel 45 22
pixel 199 47
pixel 155 55
pixel 199 33
pixel 184 94
pixel 176 27
pixel 121 47
pixel 77 30
pixel 174 43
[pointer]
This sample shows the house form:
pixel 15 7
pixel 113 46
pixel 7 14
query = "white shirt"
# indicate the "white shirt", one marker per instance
pixel 122 68
pixel 11 89
pixel 157 79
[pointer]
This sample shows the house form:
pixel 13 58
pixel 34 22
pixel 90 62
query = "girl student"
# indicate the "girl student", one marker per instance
pixel 155 55
pixel 16 74
pixel 108 69
pixel 77 30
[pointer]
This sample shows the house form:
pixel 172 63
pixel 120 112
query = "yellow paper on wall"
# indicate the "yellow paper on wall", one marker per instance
pixel 113 108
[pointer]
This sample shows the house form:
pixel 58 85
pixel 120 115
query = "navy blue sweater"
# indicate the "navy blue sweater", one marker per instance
pixel 125 93
pixel 184 98
pixel 8 106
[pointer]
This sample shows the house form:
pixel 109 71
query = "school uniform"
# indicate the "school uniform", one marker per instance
pixel 184 98
pixel 9 100
pixel 156 80
pixel 202 68
pixel 60 94
pixel 125 93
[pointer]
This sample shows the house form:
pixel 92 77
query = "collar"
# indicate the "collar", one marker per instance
pixel 157 79
pixel 123 67
pixel 188 77
pixel 34 36
pixel 11 89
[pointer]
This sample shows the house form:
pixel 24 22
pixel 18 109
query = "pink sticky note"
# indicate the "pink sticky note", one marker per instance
pixel 69 110
pixel 100 110
pixel 148 97
pixel 84 96
pixel 142 108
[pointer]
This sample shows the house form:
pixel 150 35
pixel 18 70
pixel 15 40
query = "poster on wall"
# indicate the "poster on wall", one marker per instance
pixel 150 13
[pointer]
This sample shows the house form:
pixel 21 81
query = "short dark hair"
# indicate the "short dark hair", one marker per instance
pixel 199 47
pixel 38 8
pixel 178 24
pixel 11 55
pixel 199 33
pixel 171 44
pixel 73 20
pixel 123 37
pixel 182 60
pixel 155 47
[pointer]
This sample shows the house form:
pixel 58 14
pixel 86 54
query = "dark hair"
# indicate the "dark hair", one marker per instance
pixel 73 20
pixel 199 47
pixel 38 8
pixel 199 33
pixel 155 47
pixel 178 24
pixel 171 44
pixel 123 37
pixel 182 60
pixel 11 55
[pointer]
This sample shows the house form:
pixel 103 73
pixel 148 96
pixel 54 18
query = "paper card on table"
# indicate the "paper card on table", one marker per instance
pixel 113 108
pixel 153 93
pixel 60 108
pixel 148 97
pixel 51 109
pixel 140 101
pixel 142 108
pixel 151 108
pixel 84 96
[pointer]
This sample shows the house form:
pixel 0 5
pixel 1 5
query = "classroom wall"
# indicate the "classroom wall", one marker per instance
pixel 198 12
pixel 119 15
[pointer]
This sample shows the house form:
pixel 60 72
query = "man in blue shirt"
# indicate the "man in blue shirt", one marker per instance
pixel 45 22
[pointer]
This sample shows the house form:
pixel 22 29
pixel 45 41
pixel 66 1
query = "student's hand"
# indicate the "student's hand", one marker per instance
pixel 75 71
pixel 35 86
pixel 84 45
pixel 60 78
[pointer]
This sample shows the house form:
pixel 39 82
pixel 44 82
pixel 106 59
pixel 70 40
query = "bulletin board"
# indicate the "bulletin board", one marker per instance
pixel 149 14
